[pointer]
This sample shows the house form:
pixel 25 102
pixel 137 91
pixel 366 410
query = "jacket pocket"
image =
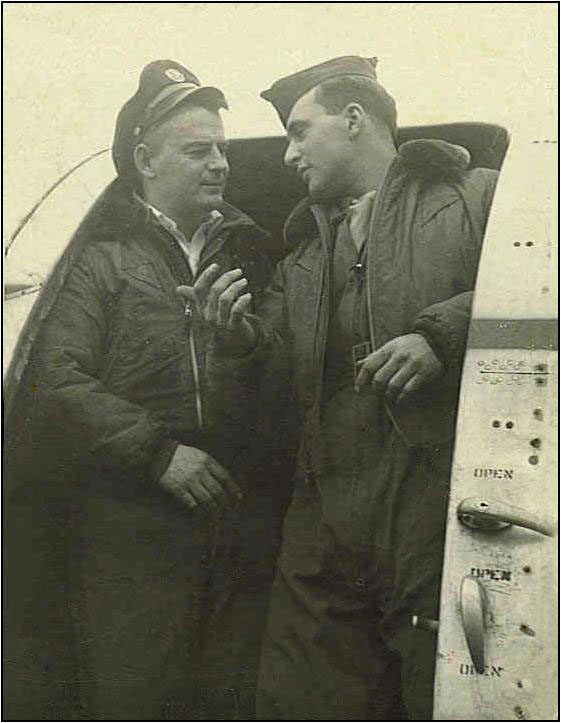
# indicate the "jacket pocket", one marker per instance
pixel 144 278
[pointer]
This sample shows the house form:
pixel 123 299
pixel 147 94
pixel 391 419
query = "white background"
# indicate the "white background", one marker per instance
pixel 69 67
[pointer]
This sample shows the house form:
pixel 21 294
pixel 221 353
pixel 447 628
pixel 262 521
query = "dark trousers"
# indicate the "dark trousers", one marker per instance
pixel 361 554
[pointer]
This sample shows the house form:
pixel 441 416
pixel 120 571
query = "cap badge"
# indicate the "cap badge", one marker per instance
pixel 175 75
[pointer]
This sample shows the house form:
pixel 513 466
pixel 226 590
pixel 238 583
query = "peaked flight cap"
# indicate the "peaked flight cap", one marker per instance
pixel 284 93
pixel 163 84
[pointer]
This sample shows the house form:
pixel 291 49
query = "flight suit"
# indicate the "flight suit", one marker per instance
pixel 361 550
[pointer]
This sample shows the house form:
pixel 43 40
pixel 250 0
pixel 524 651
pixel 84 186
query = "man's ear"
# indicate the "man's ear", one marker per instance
pixel 143 161
pixel 355 118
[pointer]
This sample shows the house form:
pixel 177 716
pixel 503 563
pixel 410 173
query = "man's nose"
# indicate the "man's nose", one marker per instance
pixel 291 155
pixel 218 160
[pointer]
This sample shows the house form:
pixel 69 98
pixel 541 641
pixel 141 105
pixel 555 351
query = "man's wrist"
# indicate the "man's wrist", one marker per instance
pixel 239 342
pixel 434 344
pixel 162 459
pixel 250 335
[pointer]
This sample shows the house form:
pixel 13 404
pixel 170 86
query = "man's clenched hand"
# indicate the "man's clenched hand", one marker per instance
pixel 199 481
pixel 400 367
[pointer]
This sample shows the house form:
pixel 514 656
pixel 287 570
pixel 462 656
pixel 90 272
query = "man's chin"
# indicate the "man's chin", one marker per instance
pixel 314 191
pixel 320 193
pixel 212 196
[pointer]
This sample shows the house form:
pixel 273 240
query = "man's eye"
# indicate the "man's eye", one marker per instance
pixel 202 151
pixel 197 152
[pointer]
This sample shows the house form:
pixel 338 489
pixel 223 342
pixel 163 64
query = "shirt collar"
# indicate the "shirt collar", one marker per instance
pixel 351 207
pixel 215 218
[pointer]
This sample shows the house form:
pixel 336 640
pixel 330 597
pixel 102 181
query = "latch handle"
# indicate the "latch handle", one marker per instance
pixel 472 607
pixel 488 514
pixel 418 621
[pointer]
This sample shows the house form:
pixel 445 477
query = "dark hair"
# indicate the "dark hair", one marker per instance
pixel 336 93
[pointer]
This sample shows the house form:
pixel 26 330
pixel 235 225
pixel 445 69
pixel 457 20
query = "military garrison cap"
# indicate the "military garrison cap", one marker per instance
pixel 284 93
pixel 162 86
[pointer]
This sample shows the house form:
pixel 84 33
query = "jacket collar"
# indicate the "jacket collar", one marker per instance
pixel 429 160
pixel 117 211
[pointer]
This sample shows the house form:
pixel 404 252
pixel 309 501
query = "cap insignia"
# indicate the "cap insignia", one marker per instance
pixel 175 75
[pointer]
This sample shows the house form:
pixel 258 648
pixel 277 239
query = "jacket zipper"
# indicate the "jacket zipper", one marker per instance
pixel 191 337
pixel 189 313
pixel 194 364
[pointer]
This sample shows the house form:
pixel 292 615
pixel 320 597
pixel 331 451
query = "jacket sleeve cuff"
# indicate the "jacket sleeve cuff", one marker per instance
pixel 162 458
pixel 435 341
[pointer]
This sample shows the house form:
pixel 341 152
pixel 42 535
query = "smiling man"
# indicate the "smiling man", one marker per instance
pixel 372 305
pixel 138 587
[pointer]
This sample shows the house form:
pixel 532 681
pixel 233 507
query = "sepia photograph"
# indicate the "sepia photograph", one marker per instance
pixel 280 361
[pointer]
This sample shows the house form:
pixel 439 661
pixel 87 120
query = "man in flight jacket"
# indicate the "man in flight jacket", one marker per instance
pixel 372 306
pixel 139 534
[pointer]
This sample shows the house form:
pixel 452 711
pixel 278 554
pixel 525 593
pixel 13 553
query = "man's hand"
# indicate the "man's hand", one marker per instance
pixel 400 367
pixel 222 301
pixel 199 481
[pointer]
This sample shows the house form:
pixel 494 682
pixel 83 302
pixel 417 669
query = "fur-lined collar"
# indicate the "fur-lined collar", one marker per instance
pixel 433 160
pixel 116 211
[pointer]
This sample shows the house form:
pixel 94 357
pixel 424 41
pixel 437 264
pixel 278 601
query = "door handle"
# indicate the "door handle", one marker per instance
pixel 472 608
pixel 417 621
pixel 483 513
